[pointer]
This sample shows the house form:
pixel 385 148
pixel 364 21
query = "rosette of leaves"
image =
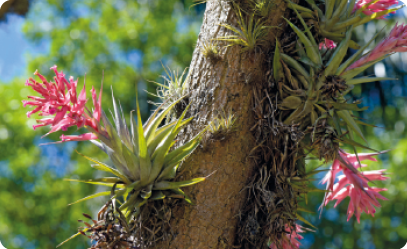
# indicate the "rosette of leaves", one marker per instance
pixel 144 167
pixel 336 16
pixel 325 80
pixel 249 35
pixel 173 90
pixel 262 7
pixel 211 51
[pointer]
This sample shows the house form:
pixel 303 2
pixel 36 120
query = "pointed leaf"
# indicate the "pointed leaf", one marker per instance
pixel 164 185
pixel 72 237
pixel 305 221
pixel 114 141
pixel 105 181
pixel 353 143
pixel 101 166
pixel 157 195
pixel 163 133
pixel 164 147
pixel 169 172
pixel 184 150
pixel 145 163
pixel 310 48
pixel 116 118
pixel 346 106
pixel 294 64
pixel 134 135
pixel 304 210
pixel 367 80
pixel 151 126
pixel 329 8
pixel 132 162
pixel 345 115
pixel 92 196
pixel 186 198
pixel 339 9
pixel 354 57
pixel 339 54
pixel 277 63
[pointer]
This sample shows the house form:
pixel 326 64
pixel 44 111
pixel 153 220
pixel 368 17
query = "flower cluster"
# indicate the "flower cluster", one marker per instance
pixel 395 42
pixel 290 240
pixel 354 183
pixel 60 99
pixel 327 44
pixel 377 6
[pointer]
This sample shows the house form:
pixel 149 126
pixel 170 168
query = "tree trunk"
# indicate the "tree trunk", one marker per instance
pixel 224 86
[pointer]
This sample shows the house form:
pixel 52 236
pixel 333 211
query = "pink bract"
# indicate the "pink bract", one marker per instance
pixel 290 240
pixel 395 42
pixel 353 183
pixel 380 5
pixel 60 100
pixel 327 44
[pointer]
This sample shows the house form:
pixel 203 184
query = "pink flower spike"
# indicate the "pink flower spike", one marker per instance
pixel 327 44
pixel 375 175
pixel 59 99
pixel 290 240
pixel 37 109
pixel 395 42
pixel 82 137
pixel 380 5
pixel 72 91
pixel 43 79
pixel 354 183
pixel 97 104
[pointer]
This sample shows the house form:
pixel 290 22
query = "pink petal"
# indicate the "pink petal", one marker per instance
pixel 82 137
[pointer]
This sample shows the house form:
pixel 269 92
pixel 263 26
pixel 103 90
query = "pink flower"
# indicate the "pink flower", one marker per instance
pixel 327 44
pixel 82 137
pixel 353 183
pixel 290 240
pixel 60 99
pixel 395 42
pixel 380 5
pixel 361 200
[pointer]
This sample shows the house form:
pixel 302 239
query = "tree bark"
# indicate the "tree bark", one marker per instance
pixel 19 7
pixel 225 86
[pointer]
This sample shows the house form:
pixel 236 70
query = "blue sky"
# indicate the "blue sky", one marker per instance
pixel 14 48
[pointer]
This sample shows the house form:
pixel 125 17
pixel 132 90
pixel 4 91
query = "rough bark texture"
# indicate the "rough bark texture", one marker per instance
pixel 226 86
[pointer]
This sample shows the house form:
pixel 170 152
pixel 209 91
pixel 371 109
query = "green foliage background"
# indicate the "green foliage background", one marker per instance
pixel 129 40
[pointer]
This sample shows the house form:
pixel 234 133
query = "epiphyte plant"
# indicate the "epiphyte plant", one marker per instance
pixel 173 90
pixel 211 51
pixel 321 102
pixel 143 168
pixel 332 21
pixel 310 86
pixel 249 34
pixel 317 107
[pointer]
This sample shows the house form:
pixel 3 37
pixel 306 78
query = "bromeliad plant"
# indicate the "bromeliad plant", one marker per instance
pixel 336 16
pixel 172 91
pixel 320 106
pixel 311 76
pixel 313 95
pixel 248 35
pixel 144 166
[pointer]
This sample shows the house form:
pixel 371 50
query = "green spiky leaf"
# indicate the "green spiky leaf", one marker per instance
pixel 105 193
pixel 305 221
pixel 164 185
